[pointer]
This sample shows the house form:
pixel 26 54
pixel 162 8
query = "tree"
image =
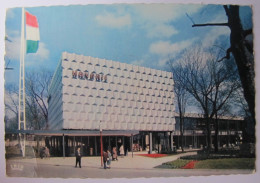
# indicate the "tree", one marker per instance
pixel 182 96
pixel 242 49
pixel 36 96
pixel 35 119
pixel 226 83
pixel 209 82
pixel 11 106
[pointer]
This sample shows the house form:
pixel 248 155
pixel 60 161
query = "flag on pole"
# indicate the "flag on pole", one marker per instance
pixel 32 33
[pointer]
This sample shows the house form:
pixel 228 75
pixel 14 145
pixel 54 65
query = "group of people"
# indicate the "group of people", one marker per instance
pixel 44 152
pixel 107 157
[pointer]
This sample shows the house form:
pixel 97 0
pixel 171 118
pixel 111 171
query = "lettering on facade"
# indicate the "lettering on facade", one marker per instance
pixel 86 76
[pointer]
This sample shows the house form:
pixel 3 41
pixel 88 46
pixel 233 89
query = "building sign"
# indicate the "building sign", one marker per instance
pixel 92 76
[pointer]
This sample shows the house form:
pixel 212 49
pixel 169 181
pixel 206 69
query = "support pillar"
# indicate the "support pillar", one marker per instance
pixel 142 136
pixel 131 145
pixel 63 145
pixel 74 144
pixel 116 146
pixel 95 145
pixel 124 145
pixel 109 144
pixel 150 142
pixel 171 140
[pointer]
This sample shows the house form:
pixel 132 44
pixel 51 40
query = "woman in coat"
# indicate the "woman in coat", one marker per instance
pixel 122 151
pixel 114 151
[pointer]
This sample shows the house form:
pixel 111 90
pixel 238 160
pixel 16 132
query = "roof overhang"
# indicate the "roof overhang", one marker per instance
pixel 74 132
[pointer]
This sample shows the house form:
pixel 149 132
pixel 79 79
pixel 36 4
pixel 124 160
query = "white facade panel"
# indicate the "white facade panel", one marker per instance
pixel 120 96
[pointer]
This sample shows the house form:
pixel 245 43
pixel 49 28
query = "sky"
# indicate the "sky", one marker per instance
pixel 139 34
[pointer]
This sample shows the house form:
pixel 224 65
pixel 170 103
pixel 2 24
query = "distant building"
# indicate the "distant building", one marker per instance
pixel 230 131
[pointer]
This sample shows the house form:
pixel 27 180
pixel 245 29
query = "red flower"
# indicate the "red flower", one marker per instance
pixel 190 165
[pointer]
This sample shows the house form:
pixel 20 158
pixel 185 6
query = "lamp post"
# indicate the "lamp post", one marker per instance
pixel 101 144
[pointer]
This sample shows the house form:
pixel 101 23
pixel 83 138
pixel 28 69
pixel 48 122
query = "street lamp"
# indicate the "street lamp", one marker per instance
pixel 101 143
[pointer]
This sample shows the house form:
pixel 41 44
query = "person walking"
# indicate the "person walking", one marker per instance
pixel 78 158
pixel 105 158
pixel 109 159
pixel 114 154
pixel 47 152
pixel 122 152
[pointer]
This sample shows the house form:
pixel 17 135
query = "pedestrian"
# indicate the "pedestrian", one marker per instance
pixel 47 152
pixel 105 158
pixel 109 159
pixel 78 158
pixel 114 154
pixel 42 152
pixel 122 152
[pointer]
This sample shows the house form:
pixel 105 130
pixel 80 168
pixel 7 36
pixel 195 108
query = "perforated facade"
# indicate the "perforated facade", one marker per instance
pixel 87 92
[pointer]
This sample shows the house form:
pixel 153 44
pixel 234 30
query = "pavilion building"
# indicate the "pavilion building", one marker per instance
pixel 127 104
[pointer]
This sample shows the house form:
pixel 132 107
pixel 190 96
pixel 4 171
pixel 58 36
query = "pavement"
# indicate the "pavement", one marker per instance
pixel 126 167
pixel 124 162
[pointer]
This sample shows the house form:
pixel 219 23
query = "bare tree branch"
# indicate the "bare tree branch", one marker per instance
pixel 210 24
pixel 227 55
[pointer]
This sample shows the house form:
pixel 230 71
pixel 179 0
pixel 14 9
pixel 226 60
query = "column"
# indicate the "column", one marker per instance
pixel 131 145
pixel 171 140
pixel 109 144
pixel 95 145
pixel 63 145
pixel 74 144
pixel 116 146
pixel 150 142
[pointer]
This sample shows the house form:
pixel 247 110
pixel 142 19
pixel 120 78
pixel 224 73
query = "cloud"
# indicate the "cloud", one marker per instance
pixel 113 21
pixel 10 13
pixel 214 34
pixel 165 12
pixel 155 18
pixel 13 49
pixel 162 62
pixel 165 48
pixel 161 30
pixel 138 62
pixel 40 56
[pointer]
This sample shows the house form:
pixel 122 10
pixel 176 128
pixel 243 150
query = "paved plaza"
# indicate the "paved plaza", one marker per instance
pixel 126 167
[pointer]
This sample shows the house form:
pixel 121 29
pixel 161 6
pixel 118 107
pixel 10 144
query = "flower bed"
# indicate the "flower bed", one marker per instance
pixel 190 165
pixel 153 155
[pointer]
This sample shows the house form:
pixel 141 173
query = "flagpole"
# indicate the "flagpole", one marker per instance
pixel 21 115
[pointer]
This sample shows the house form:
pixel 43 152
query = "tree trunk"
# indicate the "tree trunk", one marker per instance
pixel 38 145
pixel 208 135
pixel 182 139
pixel 216 140
pixel 244 59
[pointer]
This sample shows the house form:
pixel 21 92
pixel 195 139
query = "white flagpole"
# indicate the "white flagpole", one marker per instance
pixel 21 115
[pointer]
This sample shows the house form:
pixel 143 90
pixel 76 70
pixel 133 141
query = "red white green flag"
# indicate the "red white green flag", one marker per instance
pixel 32 33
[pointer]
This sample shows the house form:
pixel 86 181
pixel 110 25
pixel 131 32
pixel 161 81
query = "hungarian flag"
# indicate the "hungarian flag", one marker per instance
pixel 32 33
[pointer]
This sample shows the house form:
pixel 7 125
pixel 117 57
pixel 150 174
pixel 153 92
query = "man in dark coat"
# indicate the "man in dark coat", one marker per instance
pixel 105 157
pixel 78 157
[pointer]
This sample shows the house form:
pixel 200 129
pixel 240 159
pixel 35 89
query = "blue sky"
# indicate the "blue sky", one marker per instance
pixel 140 34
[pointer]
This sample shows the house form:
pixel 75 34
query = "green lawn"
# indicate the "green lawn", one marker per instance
pixel 225 163
pixel 174 164
pixel 228 163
